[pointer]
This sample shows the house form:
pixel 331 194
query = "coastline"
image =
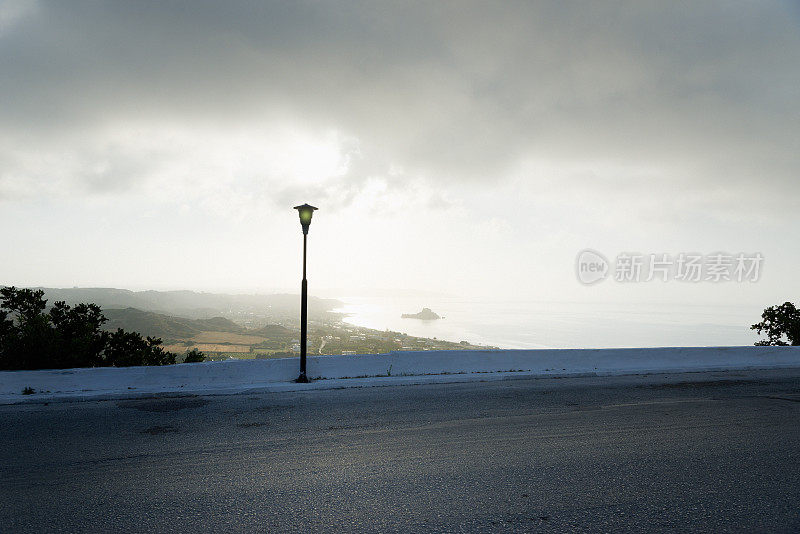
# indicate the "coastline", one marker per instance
pixel 540 324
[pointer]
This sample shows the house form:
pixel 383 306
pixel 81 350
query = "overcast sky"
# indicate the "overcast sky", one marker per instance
pixel 465 148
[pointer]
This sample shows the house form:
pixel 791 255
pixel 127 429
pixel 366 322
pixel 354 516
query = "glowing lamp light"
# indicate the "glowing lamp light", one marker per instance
pixel 305 211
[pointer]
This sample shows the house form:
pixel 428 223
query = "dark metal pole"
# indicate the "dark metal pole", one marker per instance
pixel 303 317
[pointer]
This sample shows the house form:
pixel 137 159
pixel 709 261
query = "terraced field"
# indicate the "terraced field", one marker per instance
pixel 227 337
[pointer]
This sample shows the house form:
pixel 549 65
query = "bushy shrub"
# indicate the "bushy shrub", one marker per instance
pixel 194 356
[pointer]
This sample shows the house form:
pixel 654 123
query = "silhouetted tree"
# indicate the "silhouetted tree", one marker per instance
pixel 779 322
pixel 80 338
pixel 129 348
pixel 32 338
pixel 28 339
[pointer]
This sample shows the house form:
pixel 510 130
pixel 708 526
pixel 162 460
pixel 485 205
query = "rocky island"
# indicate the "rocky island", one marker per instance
pixel 426 315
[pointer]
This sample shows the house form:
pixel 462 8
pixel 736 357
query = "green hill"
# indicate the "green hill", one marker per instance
pixel 166 327
pixel 273 331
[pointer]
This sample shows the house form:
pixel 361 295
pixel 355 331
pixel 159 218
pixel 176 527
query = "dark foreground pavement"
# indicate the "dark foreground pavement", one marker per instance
pixel 715 452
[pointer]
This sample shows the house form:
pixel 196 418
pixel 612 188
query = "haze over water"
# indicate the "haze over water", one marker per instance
pixel 539 324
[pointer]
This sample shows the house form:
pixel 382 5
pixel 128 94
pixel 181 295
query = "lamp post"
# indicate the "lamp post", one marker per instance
pixel 305 211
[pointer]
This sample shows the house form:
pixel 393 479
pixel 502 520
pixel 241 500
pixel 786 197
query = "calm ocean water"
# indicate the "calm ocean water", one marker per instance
pixel 558 325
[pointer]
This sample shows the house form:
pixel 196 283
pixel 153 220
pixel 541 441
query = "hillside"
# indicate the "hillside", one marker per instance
pixel 191 303
pixel 166 327
pixel 273 331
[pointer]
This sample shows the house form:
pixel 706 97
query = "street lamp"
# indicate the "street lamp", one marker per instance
pixel 305 211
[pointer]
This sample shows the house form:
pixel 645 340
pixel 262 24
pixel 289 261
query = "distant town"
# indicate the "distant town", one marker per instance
pixel 326 335
pixel 334 338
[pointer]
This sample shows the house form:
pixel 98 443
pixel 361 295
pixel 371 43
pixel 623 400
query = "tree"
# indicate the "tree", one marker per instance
pixel 129 348
pixel 779 322
pixel 194 356
pixel 27 339
pixel 80 338
pixel 33 338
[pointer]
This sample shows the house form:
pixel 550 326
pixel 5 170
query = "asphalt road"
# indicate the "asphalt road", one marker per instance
pixel 720 452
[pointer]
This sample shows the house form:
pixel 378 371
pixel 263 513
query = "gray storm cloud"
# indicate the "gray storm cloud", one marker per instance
pixel 455 92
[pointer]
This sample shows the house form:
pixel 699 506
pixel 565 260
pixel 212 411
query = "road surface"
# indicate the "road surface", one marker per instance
pixel 696 452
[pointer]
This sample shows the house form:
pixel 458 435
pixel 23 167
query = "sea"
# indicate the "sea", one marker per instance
pixel 535 324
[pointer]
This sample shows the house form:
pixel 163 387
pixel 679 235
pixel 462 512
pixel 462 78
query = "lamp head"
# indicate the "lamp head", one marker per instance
pixel 305 211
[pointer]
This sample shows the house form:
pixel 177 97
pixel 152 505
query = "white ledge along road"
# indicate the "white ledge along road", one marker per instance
pixel 383 369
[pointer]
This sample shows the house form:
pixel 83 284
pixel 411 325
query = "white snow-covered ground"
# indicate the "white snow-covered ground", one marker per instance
pixel 382 369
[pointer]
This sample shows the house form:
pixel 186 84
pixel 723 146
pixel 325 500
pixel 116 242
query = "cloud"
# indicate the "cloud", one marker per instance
pixel 648 109
pixel 454 92
pixel 14 11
